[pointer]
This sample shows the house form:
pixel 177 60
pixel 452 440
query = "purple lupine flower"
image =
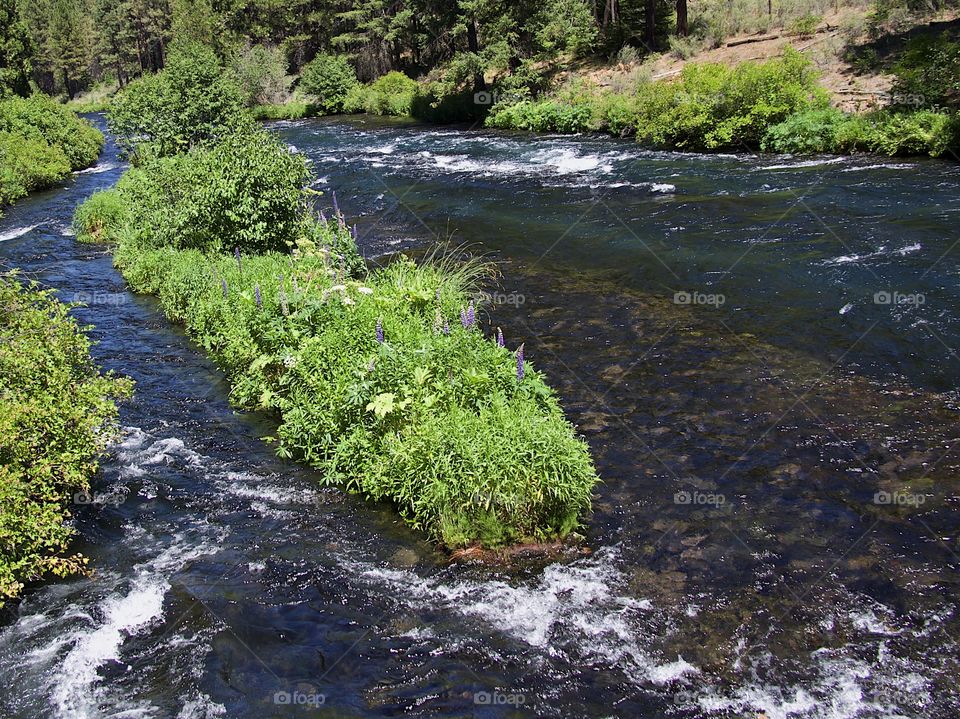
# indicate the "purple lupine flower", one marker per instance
pixel 236 253
pixel 446 328
pixel 500 342
pixel 371 364
pixel 380 330
pixel 256 296
pixel 520 363
pixel 463 318
pixel 355 234
pixel 336 206
pixel 471 315
pixel 223 286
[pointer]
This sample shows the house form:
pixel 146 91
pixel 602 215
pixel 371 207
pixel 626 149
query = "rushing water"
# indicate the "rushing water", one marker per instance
pixel 739 560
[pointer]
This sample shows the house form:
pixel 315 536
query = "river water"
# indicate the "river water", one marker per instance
pixel 760 351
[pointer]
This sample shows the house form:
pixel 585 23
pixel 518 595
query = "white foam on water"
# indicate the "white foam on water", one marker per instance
pixel 387 149
pixel 18 232
pixel 97 169
pixel 882 166
pixel 846 308
pixel 879 252
pixel 566 161
pixel 801 164
pixel 137 452
pixel 574 608
pixel 663 187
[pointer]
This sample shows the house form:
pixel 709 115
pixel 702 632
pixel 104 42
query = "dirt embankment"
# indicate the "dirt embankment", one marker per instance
pixel 853 86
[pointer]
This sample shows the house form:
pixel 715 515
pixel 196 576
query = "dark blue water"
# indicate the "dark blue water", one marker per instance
pixel 776 532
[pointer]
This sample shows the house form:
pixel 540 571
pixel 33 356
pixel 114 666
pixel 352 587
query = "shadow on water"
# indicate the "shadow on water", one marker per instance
pixel 776 531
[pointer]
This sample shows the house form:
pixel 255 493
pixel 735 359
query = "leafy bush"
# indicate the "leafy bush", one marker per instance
pixel 805 25
pixel 435 417
pixel 261 74
pixel 41 117
pixel 922 132
pixel 245 191
pixel 191 102
pixel 391 94
pixel 28 164
pixel 806 132
pixel 328 79
pixel 293 110
pixel 57 414
pixel 929 69
pixel 714 107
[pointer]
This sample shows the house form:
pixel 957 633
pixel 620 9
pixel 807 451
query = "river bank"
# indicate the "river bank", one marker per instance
pixel 229 576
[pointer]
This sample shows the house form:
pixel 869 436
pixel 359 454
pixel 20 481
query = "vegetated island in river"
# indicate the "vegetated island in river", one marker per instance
pixel 381 379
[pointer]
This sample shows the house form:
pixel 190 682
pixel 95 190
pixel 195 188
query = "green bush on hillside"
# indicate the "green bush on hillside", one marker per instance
pixel 261 74
pixel 192 101
pixel 57 414
pixel 928 72
pixel 328 79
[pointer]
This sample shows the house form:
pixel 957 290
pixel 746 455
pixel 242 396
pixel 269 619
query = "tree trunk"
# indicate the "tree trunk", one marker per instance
pixel 682 29
pixel 651 25
pixel 473 44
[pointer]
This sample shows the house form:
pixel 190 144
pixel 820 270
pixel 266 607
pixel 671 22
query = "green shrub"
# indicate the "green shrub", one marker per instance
pixel 28 164
pixel 57 414
pixel 805 25
pixel 806 132
pixel 41 117
pixel 328 79
pixel 714 107
pixel 245 191
pixel 928 72
pixel 293 110
pixel 191 102
pixel 391 94
pixel 261 74
pixel 94 218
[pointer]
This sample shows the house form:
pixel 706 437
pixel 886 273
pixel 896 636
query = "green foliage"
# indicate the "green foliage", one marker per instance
pixel 40 117
pixel 714 107
pixel 191 102
pixel 57 414
pixel 437 424
pixel 928 72
pixel 922 132
pixel 805 25
pixel 245 191
pixel 261 74
pixel 392 94
pixel 710 107
pixel 329 80
pixel 40 143
pixel 15 51
pixel 806 132
pixel 100 212
pixel 28 164
pixel 293 110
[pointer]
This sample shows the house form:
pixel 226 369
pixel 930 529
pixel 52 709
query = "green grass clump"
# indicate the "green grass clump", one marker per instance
pixel 391 94
pixel 57 413
pixel 98 215
pixel 435 418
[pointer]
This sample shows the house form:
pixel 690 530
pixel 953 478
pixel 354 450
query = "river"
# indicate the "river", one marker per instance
pixel 760 352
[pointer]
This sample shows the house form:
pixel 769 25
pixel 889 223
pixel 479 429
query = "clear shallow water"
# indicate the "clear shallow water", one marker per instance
pixel 225 576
